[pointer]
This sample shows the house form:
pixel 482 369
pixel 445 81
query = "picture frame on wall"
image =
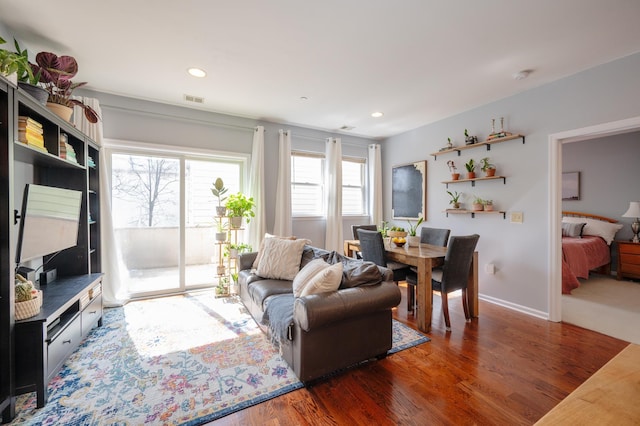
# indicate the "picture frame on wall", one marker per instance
pixel 570 186
pixel 409 191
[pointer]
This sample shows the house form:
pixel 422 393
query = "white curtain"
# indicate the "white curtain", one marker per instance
pixel 257 227
pixel 282 224
pixel 333 195
pixel 375 184
pixel 113 293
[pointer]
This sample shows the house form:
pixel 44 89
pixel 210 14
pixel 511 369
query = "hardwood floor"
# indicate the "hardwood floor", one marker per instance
pixel 504 368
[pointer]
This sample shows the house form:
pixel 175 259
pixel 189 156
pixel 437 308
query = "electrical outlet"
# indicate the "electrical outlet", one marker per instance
pixel 516 217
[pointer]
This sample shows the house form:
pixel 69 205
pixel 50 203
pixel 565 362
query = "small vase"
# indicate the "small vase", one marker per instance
pixel 61 111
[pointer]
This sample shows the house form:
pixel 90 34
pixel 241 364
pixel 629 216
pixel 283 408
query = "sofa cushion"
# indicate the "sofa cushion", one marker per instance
pixel 310 253
pixel 327 280
pixel 262 289
pixel 306 273
pixel 356 272
pixel 256 261
pixel 280 258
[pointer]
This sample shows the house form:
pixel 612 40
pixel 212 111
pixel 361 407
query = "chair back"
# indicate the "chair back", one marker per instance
pixel 354 229
pixel 435 236
pixel 457 262
pixel 372 246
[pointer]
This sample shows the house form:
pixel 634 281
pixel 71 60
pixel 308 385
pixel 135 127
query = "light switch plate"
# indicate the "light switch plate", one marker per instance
pixel 517 217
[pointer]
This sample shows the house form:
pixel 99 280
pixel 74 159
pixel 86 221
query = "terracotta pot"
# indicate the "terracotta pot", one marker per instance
pixel 477 207
pixel 61 111
pixel 455 176
pixel 490 172
pixel 488 207
pixel 471 175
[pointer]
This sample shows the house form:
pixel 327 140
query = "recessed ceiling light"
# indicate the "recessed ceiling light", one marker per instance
pixel 377 114
pixel 197 72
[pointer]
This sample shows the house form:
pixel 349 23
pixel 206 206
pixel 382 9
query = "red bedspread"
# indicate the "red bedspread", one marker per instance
pixel 579 256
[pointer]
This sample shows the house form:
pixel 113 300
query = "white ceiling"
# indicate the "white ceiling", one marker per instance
pixel 417 61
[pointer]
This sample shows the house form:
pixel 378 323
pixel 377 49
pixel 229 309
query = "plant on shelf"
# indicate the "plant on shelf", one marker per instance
pixel 218 191
pixel 488 205
pixel 56 73
pixel 487 167
pixel 240 206
pixel 469 140
pixel 453 169
pixel 478 204
pixel 222 289
pixel 11 62
pixel 471 167
pixel 27 79
pixel 455 199
pixel 233 250
pixel 221 229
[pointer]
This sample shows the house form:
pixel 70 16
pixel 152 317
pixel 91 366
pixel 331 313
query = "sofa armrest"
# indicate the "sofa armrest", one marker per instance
pixel 317 310
pixel 245 260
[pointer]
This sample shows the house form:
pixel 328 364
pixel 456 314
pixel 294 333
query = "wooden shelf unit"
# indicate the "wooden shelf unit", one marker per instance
pixel 21 164
pixel 474 180
pixel 473 213
pixel 488 144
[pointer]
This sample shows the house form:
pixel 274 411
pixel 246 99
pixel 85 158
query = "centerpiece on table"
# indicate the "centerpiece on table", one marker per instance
pixel 413 239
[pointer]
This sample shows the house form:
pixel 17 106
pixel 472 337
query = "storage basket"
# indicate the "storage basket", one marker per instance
pixel 29 308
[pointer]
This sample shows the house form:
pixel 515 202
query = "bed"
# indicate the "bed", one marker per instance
pixel 586 242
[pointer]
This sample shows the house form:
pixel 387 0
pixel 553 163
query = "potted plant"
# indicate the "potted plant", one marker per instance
pixel 488 205
pixel 455 199
pixel 222 289
pixel 218 191
pixel 220 269
pixel 27 79
pixel 454 171
pixel 56 73
pixel 221 230
pixel 470 166
pixel 413 239
pixel 487 167
pixel 240 206
pixel 469 140
pixel 235 249
pixel 10 63
pixel 478 204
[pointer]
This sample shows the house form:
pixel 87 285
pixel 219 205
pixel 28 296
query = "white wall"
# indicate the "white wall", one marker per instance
pixel 142 121
pixel 520 251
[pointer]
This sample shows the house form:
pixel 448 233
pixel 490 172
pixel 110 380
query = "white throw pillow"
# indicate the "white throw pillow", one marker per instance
pixel 310 270
pixel 280 259
pixel 326 280
pixel 596 227
pixel 256 262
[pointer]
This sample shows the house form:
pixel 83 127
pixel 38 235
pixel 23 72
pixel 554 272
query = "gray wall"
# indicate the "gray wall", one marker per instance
pixel 609 176
pixel 602 94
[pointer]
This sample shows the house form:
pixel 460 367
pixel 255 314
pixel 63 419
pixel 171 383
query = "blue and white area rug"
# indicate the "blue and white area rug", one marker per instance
pixel 172 361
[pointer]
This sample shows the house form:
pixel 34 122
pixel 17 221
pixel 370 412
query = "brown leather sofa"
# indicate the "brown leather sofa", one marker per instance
pixel 329 331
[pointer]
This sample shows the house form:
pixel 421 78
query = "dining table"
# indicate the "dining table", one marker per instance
pixel 424 257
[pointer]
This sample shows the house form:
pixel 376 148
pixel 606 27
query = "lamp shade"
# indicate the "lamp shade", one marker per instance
pixel 634 209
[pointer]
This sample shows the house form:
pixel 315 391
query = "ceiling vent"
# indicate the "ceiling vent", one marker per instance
pixel 347 128
pixel 195 99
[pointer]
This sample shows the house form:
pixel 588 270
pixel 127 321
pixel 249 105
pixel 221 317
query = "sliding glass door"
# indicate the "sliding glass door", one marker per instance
pixel 163 214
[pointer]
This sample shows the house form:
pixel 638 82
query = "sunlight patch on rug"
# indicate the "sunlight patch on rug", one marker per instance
pixel 174 360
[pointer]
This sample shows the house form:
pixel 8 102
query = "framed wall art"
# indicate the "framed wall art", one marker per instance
pixel 571 186
pixel 409 191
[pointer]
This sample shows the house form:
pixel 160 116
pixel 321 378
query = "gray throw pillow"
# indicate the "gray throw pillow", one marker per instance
pixel 572 229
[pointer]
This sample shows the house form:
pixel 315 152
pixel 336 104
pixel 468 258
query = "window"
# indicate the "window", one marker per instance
pixel 307 185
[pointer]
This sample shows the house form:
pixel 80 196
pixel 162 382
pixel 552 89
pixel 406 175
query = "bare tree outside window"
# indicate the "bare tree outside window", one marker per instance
pixel 148 188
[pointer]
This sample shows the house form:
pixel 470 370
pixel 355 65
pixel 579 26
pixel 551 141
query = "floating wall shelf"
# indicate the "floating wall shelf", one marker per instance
pixel 475 145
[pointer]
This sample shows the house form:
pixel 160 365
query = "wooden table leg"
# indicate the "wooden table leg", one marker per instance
pixel 472 287
pixel 424 295
pixel 346 249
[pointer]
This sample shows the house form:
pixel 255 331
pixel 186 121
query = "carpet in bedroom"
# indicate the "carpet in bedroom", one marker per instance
pixel 175 360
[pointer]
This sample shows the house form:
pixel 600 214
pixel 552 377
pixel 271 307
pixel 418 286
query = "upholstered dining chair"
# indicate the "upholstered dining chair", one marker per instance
pixel 372 249
pixel 354 229
pixel 435 237
pixel 454 274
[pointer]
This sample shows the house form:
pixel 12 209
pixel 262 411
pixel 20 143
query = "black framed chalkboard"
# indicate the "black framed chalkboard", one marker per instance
pixel 409 191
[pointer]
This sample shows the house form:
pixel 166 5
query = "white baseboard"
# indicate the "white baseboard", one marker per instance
pixel 515 307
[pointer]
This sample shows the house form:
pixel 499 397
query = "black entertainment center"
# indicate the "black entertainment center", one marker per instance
pixel 33 350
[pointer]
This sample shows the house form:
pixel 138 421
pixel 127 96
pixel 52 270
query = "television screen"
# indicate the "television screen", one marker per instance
pixel 49 223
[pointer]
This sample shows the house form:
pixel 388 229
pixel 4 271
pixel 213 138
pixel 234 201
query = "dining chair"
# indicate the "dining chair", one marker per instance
pixel 372 249
pixel 435 237
pixel 354 229
pixel 454 274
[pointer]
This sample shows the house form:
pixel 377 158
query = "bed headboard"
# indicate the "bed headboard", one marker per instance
pixel 588 215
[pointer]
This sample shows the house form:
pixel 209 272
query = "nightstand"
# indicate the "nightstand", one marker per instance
pixel 628 260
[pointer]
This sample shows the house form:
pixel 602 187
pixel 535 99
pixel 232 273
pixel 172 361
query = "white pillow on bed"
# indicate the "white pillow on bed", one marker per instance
pixel 572 229
pixel 596 227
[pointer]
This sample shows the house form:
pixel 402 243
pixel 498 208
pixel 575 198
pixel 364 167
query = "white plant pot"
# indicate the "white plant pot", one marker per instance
pixel 413 241
pixel 236 222
pixel 221 211
pixel 221 236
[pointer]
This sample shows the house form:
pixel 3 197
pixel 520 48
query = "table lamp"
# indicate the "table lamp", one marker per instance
pixel 634 211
